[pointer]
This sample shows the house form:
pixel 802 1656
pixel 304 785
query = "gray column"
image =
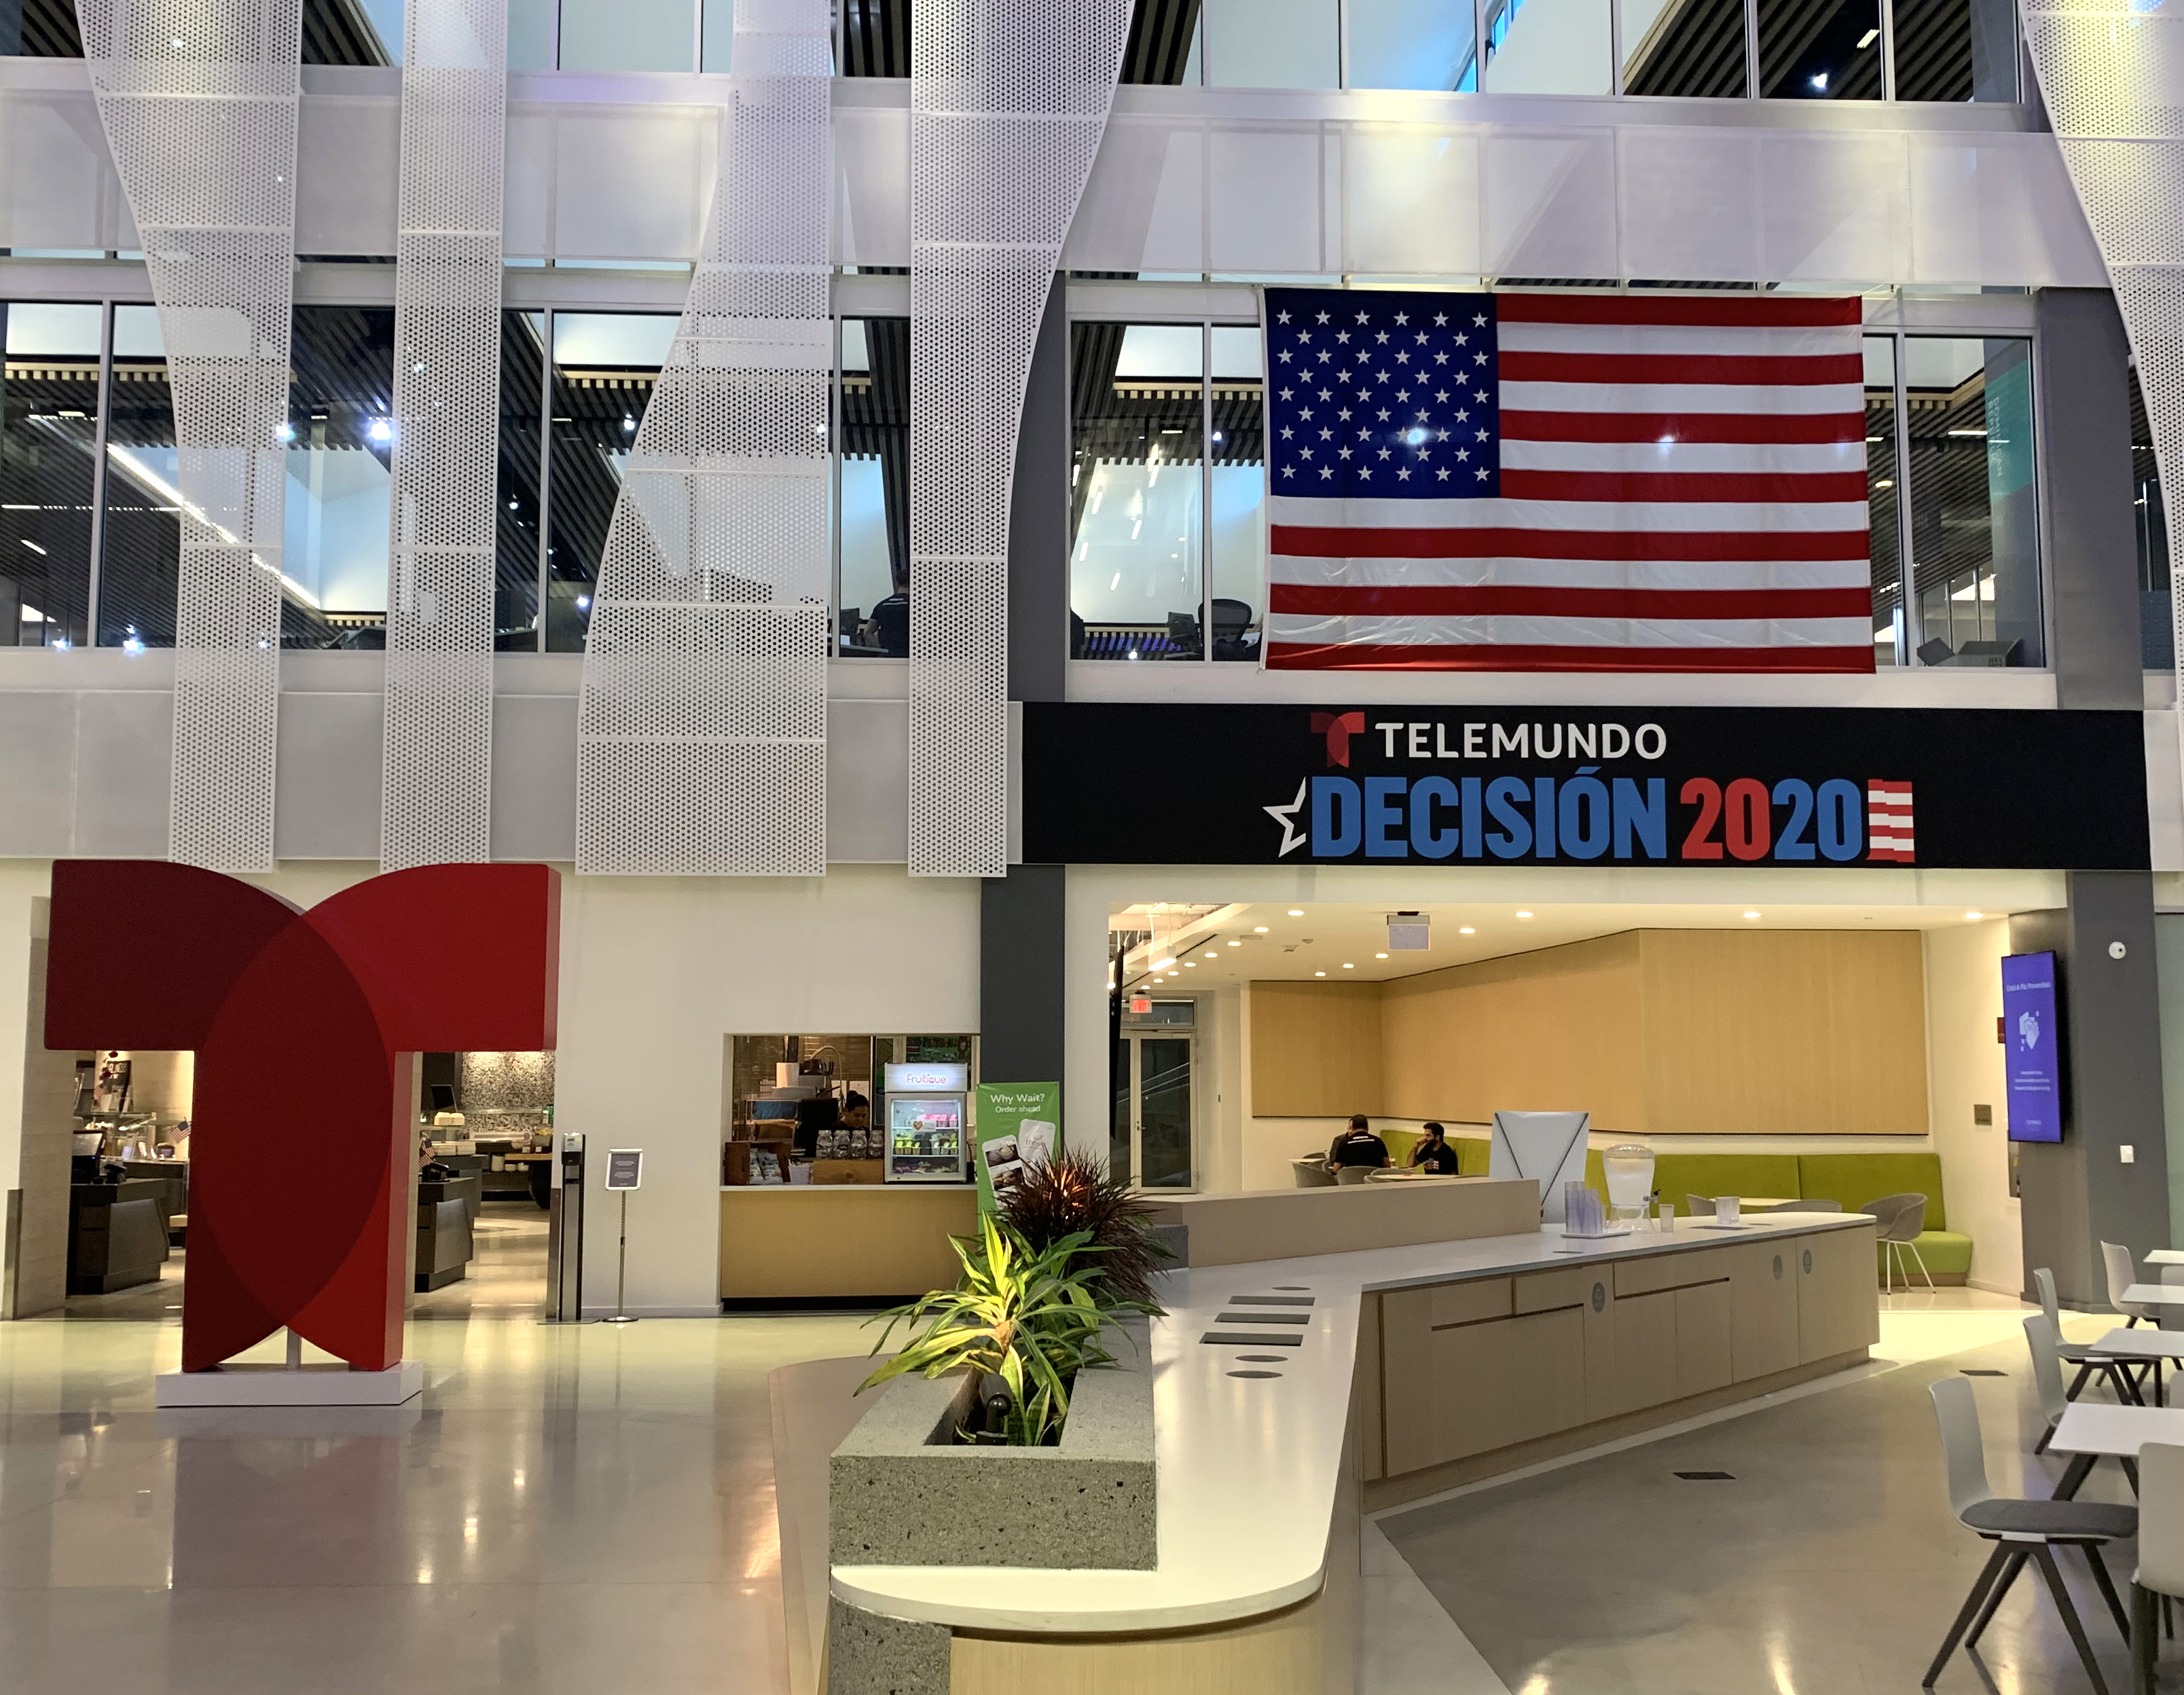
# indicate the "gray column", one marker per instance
pixel 2079 1193
pixel 1020 975
pixel 1039 520
pixel 2083 396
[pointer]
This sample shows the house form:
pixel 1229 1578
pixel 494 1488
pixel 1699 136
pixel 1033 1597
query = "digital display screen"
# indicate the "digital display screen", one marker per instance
pixel 2031 1038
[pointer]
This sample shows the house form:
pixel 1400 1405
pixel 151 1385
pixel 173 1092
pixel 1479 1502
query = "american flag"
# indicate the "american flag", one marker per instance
pixel 1593 481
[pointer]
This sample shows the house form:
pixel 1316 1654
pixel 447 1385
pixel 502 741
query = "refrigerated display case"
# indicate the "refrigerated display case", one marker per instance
pixel 928 1124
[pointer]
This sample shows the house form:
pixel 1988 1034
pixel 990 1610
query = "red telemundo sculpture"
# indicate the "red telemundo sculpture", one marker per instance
pixel 303 1023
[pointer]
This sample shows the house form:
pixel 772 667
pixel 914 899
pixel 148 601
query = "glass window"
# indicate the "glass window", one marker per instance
pixel 141 547
pixel 1692 48
pixel 605 365
pixel 1974 541
pixel 1163 43
pixel 1954 50
pixel 341 441
pixel 1825 51
pixel 716 43
pixel 355 32
pixel 40 29
pixel 515 530
pixel 875 38
pixel 1137 400
pixel 48 454
pixel 531 35
pixel 873 524
pixel 1548 47
pixel 1410 44
pixel 1883 517
pixel 1272 43
pixel 1236 536
pixel 2156 620
pixel 628 35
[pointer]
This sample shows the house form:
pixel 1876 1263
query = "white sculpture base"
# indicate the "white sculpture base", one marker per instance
pixel 276 1385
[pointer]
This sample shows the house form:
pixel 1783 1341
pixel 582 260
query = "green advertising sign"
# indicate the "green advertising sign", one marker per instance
pixel 1019 1125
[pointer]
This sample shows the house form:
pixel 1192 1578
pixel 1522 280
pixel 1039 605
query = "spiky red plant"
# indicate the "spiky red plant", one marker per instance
pixel 1074 1191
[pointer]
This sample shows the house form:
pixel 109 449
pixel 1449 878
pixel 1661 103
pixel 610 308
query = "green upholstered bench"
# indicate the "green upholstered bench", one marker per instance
pixel 1855 1178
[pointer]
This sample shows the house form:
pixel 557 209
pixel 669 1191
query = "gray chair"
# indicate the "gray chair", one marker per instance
pixel 2083 1355
pixel 2123 1272
pixel 2046 1343
pixel 2021 1530
pixel 1699 1206
pixel 2161 1554
pixel 1901 1217
pixel 1311 1173
pixel 1349 1174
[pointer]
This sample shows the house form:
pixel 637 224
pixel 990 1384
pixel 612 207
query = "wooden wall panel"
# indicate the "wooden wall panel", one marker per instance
pixel 1785 1031
pixel 1316 1050
pixel 1555 1027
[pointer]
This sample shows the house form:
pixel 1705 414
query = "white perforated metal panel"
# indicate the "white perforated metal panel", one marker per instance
pixel 1008 99
pixel 198 99
pixel 2113 80
pixel 438 775
pixel 701 729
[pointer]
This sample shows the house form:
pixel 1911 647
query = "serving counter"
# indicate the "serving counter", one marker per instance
pixel 1416 1368
pixel 796 1241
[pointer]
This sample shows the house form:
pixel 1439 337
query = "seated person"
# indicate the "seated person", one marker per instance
pixel 1357 1146
pixel 1434 1153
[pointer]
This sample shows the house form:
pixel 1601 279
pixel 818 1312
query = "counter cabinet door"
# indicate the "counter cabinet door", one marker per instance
pixel 1838 1301
pixel 1705 1318
pixel 1765 1284
pixel 1644 1350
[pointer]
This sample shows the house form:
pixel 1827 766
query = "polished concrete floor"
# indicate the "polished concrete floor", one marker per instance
pixel 1831 1562
pixel 507 1273
pixel 588 1510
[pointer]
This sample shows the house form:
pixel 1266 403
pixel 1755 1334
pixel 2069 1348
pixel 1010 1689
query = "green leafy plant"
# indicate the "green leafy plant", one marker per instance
pixel 1024 1314
pixel 1073 1195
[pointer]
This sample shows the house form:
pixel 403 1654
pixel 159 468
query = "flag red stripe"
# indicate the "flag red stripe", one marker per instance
pixel 1684 370
pixel 1468 656
pixel 1645 306
pixel 1334 542
pixel 1734 427
pixel 1514 599
pixel 1751 487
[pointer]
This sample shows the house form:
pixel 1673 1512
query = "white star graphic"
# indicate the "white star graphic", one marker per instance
pixel 1441 358
pixel 1281 317
pixel 1304 335
pixel 1327 470
pixel 1327 393
pixel 1481 321
pixel 1463 453
pixel 1402 317
pixel 1404 475
pixel 1482 435
pixel 1342 453
pixel 1441 320
pixel 1382 338
pixel 1363 319
pixel 1342 335
pixel 1290 471
pixel 1322 317
pixel 1286 393
pixel 1476 359
pixel 1442 473
pixel 1481 473
pixel 1327 435
pixel 1286 817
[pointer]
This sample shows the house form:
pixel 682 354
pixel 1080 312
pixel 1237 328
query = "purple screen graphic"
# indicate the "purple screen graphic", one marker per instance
pixel 2032 1040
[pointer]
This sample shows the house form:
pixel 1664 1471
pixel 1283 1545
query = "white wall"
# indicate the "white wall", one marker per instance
pixel 2168 961
pixel 1964 1068
pixel 655 970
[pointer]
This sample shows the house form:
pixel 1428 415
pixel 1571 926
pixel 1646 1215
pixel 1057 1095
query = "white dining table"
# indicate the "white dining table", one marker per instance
pixel 2164 1256
pixel 2154 1294
pixel 2090 1431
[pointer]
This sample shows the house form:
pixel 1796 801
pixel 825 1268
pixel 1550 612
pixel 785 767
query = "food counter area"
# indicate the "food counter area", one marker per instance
pixel 1412 1369
pixel 841 1241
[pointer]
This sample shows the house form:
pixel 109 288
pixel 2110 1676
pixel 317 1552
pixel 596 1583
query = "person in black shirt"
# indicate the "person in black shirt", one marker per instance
pixel 1357 1146
pixel 1434 1153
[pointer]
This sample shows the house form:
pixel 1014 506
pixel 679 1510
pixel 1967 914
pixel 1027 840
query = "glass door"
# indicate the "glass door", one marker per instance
pixel 1153 1096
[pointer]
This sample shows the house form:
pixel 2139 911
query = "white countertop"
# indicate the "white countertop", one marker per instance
pixel 1248 1468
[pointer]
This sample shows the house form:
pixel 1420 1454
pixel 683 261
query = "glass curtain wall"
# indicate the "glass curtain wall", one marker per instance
pixel 2150 519
pixel 1136 491
pixel 1884 512
pixel 49 418
pixel 1940 50
pixel 340 434
pixel 872 469
pixel 605 364
pixel 141 534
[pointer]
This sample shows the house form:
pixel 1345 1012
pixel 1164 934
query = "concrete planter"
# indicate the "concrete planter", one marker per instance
pixel 903 1494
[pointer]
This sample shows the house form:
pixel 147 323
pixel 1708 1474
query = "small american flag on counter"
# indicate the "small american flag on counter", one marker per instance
pixel 1888 836
pixel 1577 481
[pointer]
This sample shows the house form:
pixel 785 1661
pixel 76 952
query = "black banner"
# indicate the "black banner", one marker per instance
pixel 1701 786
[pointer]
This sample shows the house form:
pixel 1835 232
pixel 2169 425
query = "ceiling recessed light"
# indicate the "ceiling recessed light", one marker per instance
pixel 1467 931
pixel 1523 915
pixel 1347 966
pixel 1319 973
pixel 1975 916
pixel 1258 929
pixel 1752 915
pixel 1235 944
pixel 1190 965
pixel 1163 964
pixel 1380 956
pixel 1296 911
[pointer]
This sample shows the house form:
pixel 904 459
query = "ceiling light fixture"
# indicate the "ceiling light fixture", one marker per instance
pixel 1752 915
pixel 1258 929
pixel 1467 931
pixel 1974 917
pixel 1296 911
pixel 1523 915
pixel 1348 966
pixel 1319 973
pixel 1380 956
pixel 1868 39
